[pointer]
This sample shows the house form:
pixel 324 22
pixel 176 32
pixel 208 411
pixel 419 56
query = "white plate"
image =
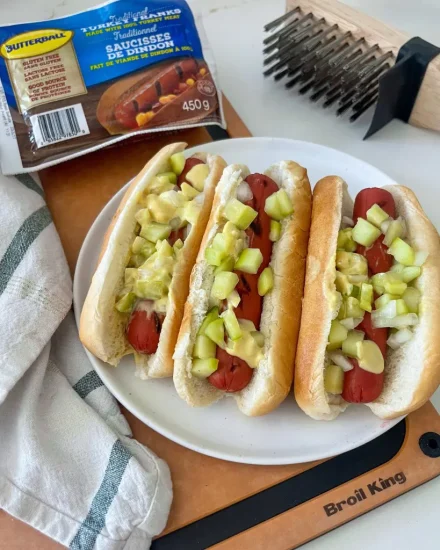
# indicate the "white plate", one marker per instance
pixel 285 436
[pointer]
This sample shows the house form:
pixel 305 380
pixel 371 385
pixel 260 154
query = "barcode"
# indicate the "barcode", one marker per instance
pixel 59 125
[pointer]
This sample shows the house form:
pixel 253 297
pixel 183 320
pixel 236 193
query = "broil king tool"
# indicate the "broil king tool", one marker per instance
pixel 346 59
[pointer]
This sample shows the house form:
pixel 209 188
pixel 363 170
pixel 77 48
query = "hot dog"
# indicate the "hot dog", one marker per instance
pixel 136 297
pixel 145 325
pixel 361 386
pixel 233 374
pixel 368 303
pixel 157 96
pixel 247 280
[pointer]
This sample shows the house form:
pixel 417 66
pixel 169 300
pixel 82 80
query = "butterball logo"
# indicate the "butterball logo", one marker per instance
pixel 33 43
pixel 362 493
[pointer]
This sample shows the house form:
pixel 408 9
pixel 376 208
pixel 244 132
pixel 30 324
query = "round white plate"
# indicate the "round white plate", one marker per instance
pixel 286 435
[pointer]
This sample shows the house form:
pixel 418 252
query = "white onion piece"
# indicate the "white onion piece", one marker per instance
pixel 351 322
pixel 420 257
pixel 340 360
pixel 244 192
pixel 399 338
pixel 347 221
pixel 400 321
pixel 388 311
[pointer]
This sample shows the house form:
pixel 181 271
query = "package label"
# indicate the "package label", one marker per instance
pixel 123 68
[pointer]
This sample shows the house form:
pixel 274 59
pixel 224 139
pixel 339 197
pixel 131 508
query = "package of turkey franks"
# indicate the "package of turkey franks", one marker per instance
pixel 72 85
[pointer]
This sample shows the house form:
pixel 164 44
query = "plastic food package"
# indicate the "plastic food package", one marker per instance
pixel 75 84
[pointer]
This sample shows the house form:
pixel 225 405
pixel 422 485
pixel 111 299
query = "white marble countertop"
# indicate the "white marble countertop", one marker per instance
pixel 409 155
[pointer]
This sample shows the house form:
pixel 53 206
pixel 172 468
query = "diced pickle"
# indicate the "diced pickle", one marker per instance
pixel 249 260
pixel 136 260
pixel 401 307
pixel 338 333
pixel 349 344
pixel 204 347
pixel 202 368
pixel 190 211
pixel 278 205
pixel 284 202
pixel 233 298
pixel 369 356
pixel 161 211
pixel 342 284
pixel 219 242
pixel 394 230
pixel 155 231
pixel 137 245
pixel 345 240
pixel 150 290
pixel 143 216
pixel 130 276
pixel 188 191
pixel 178 245
pixel 157 186
pixel 275 231
pixel 366 297
pixel 197 176
pixel 226 265
pixel 125 303
pixel 395 287
pixel 164 249
pixel 365 233
pixel 410 273
pixel 216 332
pixel 376 215
pixel 351 263
pixel 397 268
pixel 383 300
pixel 355 293
pixel 231 324
pixel 211 316
pixel 333 379
pixel 273 208
pixel 402 252
pixel 170 176
pixel 240 214
pixel 412 298
pixel 224 284
pixel 265 281
pixel 353 308
pixel 177 162
pixel 213 256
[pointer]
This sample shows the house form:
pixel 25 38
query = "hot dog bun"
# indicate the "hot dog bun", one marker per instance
pixel 272 379
pixel 412 372
pixel 102 328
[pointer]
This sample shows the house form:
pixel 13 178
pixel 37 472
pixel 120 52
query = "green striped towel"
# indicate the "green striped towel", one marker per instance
pixel 68 464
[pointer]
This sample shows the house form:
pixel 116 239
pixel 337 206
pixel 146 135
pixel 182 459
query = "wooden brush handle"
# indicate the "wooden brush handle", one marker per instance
pixel 426 109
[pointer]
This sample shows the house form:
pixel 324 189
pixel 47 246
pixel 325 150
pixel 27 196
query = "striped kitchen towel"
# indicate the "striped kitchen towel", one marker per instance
pixel 68 464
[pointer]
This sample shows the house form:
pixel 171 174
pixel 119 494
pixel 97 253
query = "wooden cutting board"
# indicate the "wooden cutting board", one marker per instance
pixel 216 503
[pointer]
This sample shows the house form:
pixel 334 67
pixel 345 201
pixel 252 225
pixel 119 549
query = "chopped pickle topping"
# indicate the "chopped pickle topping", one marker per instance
pixel 202 368
pixel 240 214
pixel 396 300
pixel 265 281
pixel 333 379
pixel 365 233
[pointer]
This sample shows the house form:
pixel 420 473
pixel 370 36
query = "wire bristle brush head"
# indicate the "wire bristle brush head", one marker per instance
pixel 325 61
